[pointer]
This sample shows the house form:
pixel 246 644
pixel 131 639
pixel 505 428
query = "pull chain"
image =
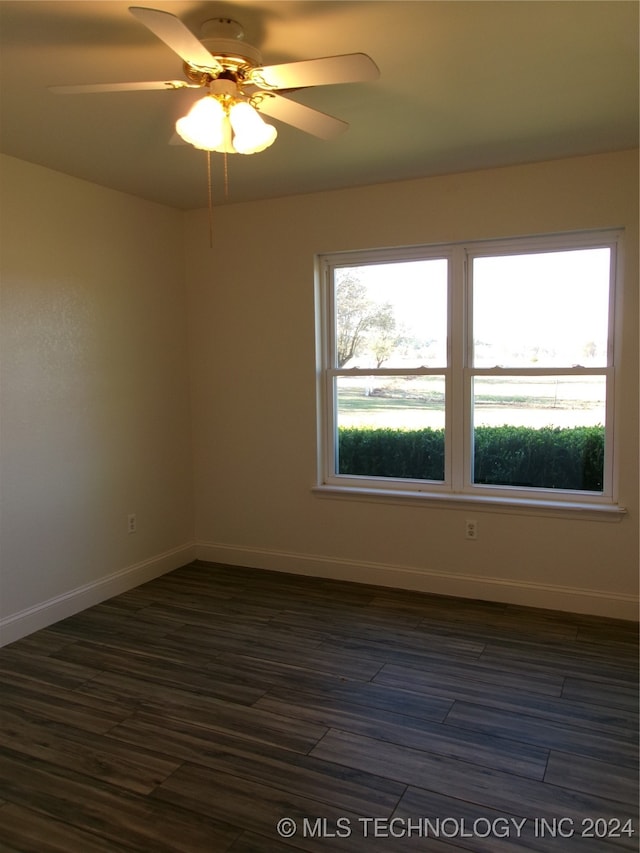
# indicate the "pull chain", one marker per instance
pixel 226 177
pixel 210 190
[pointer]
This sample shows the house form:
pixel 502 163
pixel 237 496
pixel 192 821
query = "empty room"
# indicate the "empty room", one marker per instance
pixel 319 398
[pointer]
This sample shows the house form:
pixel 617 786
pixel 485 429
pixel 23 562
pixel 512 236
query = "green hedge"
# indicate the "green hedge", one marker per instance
pixel 550 457
pixel 413 454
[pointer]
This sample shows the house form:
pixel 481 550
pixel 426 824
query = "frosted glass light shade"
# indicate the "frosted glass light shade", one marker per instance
pixel 251 133
pixel 202 127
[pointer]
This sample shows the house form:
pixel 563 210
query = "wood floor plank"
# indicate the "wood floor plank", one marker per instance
pixel 507 625
pixel 593 775
pixel 260 673
pixel 149 674
pixel 471 826
pixel 260 762
pixel 482 829
pixel 579 660
pixel 227 633
pixel 447 663
pixel 89 754
pixel 54 704
pixel 485 787
pixel 141 823
pixel 167 648
pixel 617 721
pixel 365 627
pixel 425 606
pixel 368 695
pixel 611 694
pixel 338 662
pixel 198 610
pixel 545 733
pixel 41 643
pixel 491 751
pixel 101 624
pixel 252 842
pixel 22 668
pixel 28 831
pixel 612 632
pixel 410 649
pixel 210 712
pixel 364 837
pixel 484 620
pixel 137 693
pixel 259 807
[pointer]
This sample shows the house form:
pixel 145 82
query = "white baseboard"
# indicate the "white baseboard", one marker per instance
pixel 61 606
pixel 551 597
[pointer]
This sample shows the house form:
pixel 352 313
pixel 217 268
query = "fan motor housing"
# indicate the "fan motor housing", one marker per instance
pixel 223 38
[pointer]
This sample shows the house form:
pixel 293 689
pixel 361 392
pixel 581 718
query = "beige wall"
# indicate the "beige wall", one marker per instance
pixel 252 332
pixel 95 420
pixel 123 391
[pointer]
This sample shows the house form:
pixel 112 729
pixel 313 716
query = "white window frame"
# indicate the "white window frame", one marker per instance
pixel 457 487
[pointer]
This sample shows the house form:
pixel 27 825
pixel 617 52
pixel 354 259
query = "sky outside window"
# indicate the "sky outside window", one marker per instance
pixel 541 310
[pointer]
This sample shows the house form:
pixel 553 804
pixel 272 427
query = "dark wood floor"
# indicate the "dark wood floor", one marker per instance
pixel 196 712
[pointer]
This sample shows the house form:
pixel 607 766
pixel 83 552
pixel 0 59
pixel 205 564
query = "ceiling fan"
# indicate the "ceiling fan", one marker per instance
pixel 239 87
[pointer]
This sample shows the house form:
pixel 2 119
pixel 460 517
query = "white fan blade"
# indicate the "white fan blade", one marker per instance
pixel 177 36
pixel 349 68
pixel 304 118
pixel 90 88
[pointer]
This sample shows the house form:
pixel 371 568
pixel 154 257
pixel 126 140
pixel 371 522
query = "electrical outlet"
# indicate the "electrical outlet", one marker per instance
pixel 132 523
pixel 471 528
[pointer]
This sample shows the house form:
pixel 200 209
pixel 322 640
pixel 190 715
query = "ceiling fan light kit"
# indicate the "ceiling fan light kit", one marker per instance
pixel 228 118
pixel 226 121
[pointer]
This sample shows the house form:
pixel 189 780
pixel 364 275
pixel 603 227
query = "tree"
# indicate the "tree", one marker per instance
pixel 353 317
pixel 384 336
pixel 362 323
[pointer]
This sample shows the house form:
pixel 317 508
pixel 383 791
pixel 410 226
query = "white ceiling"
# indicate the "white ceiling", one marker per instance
pixel 464 85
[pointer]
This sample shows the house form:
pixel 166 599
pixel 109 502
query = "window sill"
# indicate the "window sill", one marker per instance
pixel 578 510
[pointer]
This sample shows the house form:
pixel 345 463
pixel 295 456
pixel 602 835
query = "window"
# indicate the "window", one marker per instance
pixel 477 371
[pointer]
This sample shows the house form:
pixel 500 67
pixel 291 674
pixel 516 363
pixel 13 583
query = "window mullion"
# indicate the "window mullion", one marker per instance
pixel 457 409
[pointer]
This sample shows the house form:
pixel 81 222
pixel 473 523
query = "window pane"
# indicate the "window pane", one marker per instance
pixel 391 426
pixel 392 314
pixel 539 431
pixel 541 310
